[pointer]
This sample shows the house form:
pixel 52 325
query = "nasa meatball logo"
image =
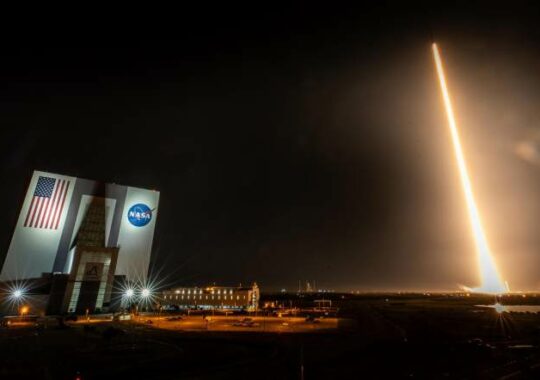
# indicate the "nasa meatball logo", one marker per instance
pixel 139 215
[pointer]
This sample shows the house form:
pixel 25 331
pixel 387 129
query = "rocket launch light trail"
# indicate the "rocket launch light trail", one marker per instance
pixel 491 282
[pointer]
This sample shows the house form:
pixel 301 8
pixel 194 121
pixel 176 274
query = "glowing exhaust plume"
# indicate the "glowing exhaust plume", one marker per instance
pixel 491 282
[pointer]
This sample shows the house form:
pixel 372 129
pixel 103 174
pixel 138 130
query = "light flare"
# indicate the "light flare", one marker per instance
pixel 490 279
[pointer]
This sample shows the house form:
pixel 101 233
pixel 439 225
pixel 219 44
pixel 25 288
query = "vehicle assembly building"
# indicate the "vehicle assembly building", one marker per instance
pixel 78 235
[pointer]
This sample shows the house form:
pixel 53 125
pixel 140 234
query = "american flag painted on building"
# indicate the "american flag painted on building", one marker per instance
pixel 47 203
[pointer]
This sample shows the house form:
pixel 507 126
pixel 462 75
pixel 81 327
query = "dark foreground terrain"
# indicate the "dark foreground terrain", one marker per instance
pixel 381 336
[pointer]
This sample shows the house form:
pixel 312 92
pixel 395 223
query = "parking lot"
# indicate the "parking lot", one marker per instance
pixel 239 323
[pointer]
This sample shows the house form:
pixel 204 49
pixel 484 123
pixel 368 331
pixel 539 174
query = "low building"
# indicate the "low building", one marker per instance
pixel 212 297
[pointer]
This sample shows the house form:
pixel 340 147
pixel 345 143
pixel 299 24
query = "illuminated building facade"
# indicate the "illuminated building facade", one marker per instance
pixel 50 225
pixel 212 297
pixel 80 235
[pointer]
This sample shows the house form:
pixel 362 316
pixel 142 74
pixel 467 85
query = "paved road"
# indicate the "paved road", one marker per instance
pixel 236 323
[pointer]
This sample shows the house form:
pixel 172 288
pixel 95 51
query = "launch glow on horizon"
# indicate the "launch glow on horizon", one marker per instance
pixel 490 279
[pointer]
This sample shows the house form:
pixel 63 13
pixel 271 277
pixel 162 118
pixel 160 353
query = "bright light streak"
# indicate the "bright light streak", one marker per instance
pixel 491 282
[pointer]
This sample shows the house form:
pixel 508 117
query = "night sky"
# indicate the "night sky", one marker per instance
pixel 291 142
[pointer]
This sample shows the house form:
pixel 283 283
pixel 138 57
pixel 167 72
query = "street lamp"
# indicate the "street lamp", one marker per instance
pixel 24 310
pixel 144 298
pixel 128 298
pixel 17 294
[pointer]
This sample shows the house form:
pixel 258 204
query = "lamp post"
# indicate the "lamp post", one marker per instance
pixel 24 310
pixel 145 293
pixel 145 296
pixel 129 296
pixel 17 296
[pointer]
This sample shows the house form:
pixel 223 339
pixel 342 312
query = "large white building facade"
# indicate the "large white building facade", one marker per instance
pixel 87 230
pixel 53 211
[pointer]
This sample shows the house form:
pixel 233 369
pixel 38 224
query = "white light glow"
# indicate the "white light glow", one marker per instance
pixel 145 292
pixel 129 293
pixel 490 280
pixel 499 308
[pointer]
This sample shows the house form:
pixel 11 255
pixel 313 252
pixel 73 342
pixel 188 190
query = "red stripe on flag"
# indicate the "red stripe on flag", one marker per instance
pixel 38 209
pixel 29 212
pixel 59 210
pixel 49 204
pixel 34 212
pixel 57 190
pixel 55 216
pixel 45 208
pixel 50 211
